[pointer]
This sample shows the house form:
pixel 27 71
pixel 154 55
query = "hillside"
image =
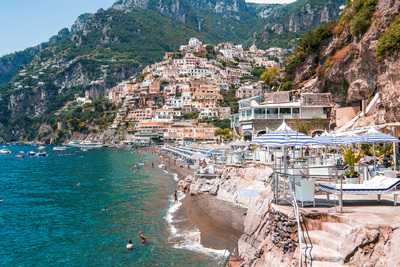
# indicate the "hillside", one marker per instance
pixel 355 57
pixel 112 45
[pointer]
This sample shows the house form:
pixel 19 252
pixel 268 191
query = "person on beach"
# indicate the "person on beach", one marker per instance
pixel 175 196
pixel 152 164
pixel 142 237
pixel 129 246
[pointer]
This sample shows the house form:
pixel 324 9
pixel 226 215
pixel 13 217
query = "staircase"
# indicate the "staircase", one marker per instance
pixel 327 243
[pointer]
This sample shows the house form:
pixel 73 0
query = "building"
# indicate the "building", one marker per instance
pixel 167 114
pixel 249 90
pixel 140 114
pixel 205 95
pixel 262 113
pixel 189 131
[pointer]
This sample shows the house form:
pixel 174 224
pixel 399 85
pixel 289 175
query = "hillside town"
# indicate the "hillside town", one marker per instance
pixel 175 98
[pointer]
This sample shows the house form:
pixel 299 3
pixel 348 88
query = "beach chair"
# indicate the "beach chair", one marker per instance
pixel 379 185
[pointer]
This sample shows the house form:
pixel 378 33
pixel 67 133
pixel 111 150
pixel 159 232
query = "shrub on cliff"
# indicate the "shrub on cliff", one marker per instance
pixel 311 43
pixel 362 11
pixel 389 42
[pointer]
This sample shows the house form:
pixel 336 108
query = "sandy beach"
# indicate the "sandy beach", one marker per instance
pixel 200 223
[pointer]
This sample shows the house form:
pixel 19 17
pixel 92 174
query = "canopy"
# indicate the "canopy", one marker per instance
pixel 329 139
pixel 375 136
pixel 284 136
pixel 239 143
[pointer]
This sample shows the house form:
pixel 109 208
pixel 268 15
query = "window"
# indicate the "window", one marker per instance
pixel 272 111
pixel 296 110
pixel 259 111
pixel 285 111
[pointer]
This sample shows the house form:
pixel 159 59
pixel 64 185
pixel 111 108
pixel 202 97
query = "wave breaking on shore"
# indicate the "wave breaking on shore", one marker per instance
pixel 189 239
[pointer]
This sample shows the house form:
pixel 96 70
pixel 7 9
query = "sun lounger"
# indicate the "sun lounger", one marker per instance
pixel 379 185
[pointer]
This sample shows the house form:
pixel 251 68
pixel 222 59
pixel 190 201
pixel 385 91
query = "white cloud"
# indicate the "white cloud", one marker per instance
pixel 271 1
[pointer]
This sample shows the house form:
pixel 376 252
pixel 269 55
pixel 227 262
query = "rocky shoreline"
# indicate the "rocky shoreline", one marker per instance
pixel 261 233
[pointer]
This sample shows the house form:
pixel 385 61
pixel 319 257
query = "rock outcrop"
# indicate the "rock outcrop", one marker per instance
pixel 348 65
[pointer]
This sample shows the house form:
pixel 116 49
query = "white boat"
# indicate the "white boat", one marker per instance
pixel 90 144
pixel 60 148
pixel 41 148
pixel 5 151
pixel 32 153
pixel 85 144
pixel 20 154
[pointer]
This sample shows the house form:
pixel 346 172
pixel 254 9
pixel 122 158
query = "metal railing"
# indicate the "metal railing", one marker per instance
pixel 304 240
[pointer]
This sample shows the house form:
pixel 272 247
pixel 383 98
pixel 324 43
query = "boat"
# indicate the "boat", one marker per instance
pixel 74 143
pixel 41 148
pixel 90 144
pixel 20 154
pixel 31 153
pixel 5 151
pixel 41 154
pixel 85 144
pixel 60 148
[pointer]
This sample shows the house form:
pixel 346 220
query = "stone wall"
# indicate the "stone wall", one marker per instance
pixel 270 237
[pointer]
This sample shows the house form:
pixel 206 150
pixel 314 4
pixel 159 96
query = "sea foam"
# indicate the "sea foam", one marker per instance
pixel 188 239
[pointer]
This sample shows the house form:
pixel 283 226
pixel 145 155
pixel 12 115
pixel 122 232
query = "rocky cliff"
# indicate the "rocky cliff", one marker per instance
pixel 112 45
pixel 355 57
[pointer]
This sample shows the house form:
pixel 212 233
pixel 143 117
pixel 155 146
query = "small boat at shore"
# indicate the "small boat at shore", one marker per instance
pixel 60 148
pixel 5 151
pixel 85 144
pixel 41 154
pixel 21 155
pixel 31 153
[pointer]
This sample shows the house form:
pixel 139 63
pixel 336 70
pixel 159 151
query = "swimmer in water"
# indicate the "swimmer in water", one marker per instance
pixel 129 246
pixel 142 237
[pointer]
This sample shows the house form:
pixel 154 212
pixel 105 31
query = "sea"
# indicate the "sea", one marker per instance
pixel 79 208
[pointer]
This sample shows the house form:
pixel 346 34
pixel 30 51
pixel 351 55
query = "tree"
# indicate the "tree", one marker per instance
pixel 271 76
pixel 191 115
pixel 224 133
pixel 351 158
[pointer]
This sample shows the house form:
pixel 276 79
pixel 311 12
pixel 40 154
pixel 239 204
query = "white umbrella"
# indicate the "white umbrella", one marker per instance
pixel 375 136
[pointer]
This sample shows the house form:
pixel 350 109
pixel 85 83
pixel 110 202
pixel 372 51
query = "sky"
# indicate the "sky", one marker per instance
pixel 26 23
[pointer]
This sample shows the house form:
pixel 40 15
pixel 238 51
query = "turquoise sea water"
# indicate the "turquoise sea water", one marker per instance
pixel 78 208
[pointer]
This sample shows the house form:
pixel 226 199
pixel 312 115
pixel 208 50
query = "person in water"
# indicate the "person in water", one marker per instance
pixel 142 237
pixel 129 246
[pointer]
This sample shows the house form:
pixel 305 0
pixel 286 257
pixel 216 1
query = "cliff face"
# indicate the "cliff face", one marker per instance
pixel 281 21
pixel 112 45
pixel 355 62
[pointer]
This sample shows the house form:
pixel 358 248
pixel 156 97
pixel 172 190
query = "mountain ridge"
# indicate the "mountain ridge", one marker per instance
pixel 111 45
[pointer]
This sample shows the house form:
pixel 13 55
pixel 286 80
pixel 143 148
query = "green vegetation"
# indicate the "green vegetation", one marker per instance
pixel 389 41
pixel 351 158
pixel 311 43
pixel 307 127
pixel 87 118
pixel 230 99
pixel 117 44
pixel 257 72
pixel 286 85
pixel 378 150
pixel 191 116
pixel 10 64
pixel 360 15
pixel 219 123
pixel 271 76
pixel 225 133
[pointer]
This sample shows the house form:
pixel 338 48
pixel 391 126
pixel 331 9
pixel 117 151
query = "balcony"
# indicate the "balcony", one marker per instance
pixel 280 117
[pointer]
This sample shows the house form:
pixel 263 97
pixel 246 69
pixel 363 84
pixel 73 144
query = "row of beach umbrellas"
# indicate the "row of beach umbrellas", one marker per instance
pixel 285 136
